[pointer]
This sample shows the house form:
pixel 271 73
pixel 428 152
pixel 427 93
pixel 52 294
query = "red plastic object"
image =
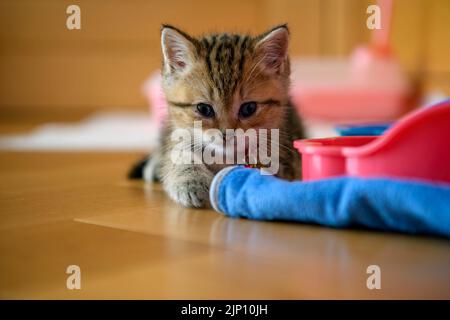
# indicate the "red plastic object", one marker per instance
pixel 416 147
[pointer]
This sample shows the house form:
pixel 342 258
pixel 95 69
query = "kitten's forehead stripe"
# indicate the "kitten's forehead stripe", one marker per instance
pixel 225 57
pixel 242 48
pixel 235 39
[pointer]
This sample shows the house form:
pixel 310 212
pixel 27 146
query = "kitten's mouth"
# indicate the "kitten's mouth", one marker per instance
pixel 243 155
pixel 242 148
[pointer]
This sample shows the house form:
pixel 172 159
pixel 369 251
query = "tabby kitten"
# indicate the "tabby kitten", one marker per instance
pixel 226 81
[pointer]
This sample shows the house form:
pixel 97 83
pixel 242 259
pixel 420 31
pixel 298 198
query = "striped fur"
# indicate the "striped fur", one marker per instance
pixel 225 71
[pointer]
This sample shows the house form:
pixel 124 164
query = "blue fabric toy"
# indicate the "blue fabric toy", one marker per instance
pixel 381 203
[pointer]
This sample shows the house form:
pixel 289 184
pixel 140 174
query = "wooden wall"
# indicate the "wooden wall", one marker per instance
pixel 44 66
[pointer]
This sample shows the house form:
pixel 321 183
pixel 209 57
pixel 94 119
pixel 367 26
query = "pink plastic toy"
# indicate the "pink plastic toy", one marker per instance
pixel 416 147
pixel 153 91
pixel 365 87
pixel 370 85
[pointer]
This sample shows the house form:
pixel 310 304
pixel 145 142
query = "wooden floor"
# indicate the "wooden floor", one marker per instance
pixel 130 241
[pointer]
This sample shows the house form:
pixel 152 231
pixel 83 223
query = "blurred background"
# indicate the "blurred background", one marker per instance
pixel 87 90
pixel 49 72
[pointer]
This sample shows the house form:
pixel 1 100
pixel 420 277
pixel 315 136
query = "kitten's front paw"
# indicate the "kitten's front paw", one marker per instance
pixel 190 193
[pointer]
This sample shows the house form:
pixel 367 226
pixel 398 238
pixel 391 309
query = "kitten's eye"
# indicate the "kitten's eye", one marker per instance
pixel 247 109
pixel 205 110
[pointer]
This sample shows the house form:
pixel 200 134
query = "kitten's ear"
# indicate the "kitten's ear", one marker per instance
pixel 272 48
pixel 177 47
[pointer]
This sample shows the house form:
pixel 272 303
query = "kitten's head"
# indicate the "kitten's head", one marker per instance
pixel 226 81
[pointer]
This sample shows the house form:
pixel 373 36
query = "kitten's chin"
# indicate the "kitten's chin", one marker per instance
pixel 216 156
pixel 225 151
